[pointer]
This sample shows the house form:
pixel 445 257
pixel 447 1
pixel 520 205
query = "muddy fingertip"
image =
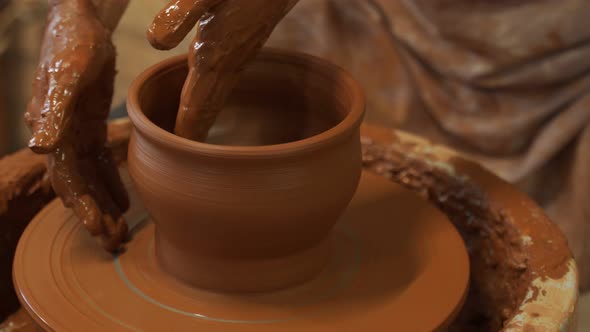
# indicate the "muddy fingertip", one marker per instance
pixel 89 214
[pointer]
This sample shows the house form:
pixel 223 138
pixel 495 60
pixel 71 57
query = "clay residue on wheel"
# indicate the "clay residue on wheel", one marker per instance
pixel 497 223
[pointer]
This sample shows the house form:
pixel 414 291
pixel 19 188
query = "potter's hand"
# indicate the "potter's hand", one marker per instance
pixel 72 93
pixel 230 33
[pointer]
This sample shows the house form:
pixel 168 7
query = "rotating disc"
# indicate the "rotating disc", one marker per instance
pixel 397 263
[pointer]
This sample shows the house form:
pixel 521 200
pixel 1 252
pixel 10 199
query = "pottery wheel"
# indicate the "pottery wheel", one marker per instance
pixel 397 264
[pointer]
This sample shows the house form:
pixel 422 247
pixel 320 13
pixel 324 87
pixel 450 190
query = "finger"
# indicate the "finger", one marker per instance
pixel 67 77
pixel 33 111
pixel 109 173
pixel 70 186
pixel 56 111
pixel 114 225
pixel 115 235
pixel 201 100
pixel 204 91
pixel 214 73
pixel 176 20
pixel 86 206
pixel 106 168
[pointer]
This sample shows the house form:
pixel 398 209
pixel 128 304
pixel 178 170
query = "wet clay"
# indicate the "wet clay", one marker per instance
pixel 229 34
pixel 503 261
pixel 479 314
pixel 396 262
pixel 73 90
pixel 72 93
pixel 225 211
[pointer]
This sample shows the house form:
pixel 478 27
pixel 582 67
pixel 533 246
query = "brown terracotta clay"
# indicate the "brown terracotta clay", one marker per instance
pixel 223 212
pixel 24 190
pixel 551 308
pixel 72 92
pixel 523 276
pixel 397 263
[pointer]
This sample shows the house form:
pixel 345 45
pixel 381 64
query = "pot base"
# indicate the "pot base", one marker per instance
pixel 243 275
pixel 396 263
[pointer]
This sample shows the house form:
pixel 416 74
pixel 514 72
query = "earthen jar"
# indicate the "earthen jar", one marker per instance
pixel 258 216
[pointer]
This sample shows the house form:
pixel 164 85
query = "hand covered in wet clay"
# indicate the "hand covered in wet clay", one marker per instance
pixel 229 34
pixel 72 94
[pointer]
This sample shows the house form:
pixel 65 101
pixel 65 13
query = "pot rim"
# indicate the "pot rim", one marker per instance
pixel 346 127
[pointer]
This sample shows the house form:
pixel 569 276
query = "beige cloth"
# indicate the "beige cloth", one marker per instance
pixel 505 82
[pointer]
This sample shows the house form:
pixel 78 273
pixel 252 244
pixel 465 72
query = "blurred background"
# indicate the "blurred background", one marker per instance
pixel 506 83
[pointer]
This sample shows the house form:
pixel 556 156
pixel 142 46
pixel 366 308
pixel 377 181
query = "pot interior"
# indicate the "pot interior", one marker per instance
pixel 276 101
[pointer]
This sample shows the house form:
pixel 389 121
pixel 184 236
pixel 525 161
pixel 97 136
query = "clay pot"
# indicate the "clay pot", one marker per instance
pixel 256 217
